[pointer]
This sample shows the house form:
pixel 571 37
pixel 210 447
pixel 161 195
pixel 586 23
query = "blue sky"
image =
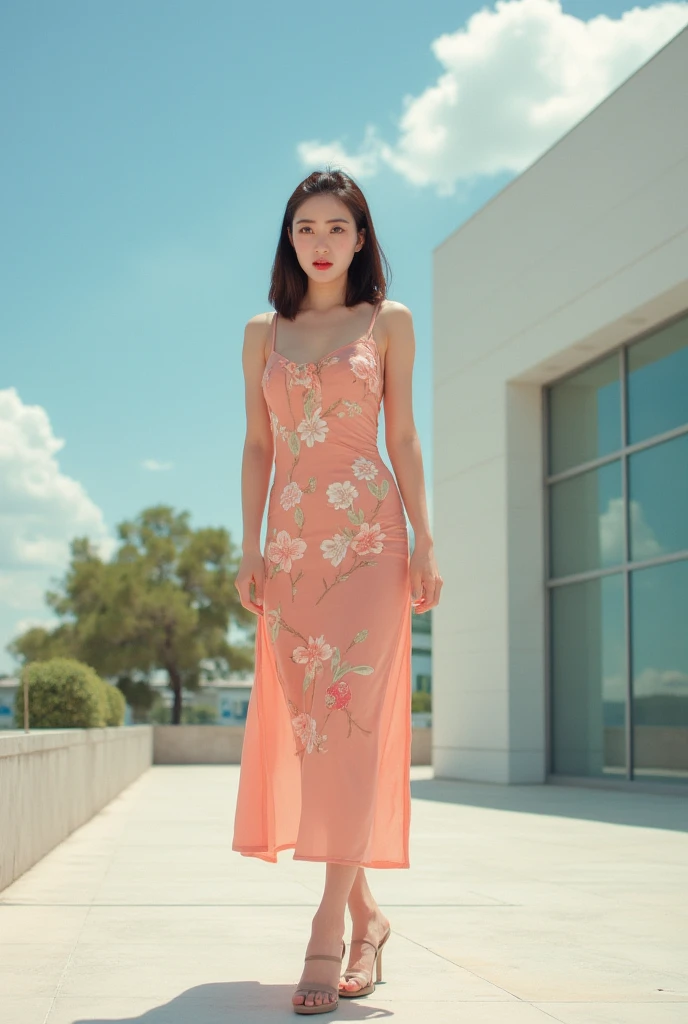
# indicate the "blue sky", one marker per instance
pixel 148 152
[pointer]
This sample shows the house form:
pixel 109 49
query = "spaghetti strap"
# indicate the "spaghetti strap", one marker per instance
pixel 274 332
pixel 372 322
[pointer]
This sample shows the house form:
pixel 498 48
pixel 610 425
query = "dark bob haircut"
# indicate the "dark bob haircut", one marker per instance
pixel 366 280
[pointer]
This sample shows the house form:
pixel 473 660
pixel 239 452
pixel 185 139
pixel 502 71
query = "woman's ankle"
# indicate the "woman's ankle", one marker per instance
pixel 363 911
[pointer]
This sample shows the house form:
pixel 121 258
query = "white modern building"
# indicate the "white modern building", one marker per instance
pixel 560 645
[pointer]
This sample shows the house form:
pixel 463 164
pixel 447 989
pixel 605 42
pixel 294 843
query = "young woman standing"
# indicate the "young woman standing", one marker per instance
pixel 326 756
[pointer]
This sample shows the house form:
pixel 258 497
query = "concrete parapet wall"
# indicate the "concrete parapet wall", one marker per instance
pixel 54 780
pixel 221 744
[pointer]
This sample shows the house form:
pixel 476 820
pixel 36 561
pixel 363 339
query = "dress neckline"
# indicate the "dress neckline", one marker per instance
pixel 317 362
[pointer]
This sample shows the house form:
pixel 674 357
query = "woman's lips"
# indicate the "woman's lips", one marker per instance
pixel 320 265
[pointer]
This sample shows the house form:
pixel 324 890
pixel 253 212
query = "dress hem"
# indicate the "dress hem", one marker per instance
pixel 263 854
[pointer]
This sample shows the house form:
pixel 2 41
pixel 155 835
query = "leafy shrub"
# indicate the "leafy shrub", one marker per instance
pixel 116 705
pixel 63 694
pixel 421 701
pixel 199 714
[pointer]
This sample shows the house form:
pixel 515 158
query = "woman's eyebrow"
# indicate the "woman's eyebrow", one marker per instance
pixel 332 220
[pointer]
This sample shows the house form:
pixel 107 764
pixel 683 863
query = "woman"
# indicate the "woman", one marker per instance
pixel 325 762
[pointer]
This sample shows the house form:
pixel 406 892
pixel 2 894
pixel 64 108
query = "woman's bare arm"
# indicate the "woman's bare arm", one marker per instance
pixel 258 445
pixel 403 446
pixel 401 436
pixel 256 466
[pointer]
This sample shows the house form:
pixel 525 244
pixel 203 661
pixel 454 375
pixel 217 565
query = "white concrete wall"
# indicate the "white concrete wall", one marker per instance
pixel 222 744
pixel 586 249
pixel 54 780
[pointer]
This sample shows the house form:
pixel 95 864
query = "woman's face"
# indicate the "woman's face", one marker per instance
pixel 324 232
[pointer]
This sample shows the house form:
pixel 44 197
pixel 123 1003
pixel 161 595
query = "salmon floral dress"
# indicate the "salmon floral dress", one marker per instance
pixel 327 745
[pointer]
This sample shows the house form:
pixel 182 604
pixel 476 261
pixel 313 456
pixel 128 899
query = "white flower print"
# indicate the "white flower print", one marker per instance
pixel 335 549
pixel 368 540
pixel 305 728
pixel 364 469
pixel 283 550
pixel 313 655
pixel 313 428
pixel 291 495
pixel 342 495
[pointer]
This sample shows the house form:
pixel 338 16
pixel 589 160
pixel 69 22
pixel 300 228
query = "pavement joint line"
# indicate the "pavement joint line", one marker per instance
pixel 273 906
pixel 468 970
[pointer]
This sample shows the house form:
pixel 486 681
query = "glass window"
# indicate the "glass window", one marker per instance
pixel 658 489
pixel 585 415
pixel 586 521
pixel 424 683
pixel 658 382
pixel 589 677
pixel 659 652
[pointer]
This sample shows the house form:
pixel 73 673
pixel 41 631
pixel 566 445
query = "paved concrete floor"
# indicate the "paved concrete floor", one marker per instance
pixel 523 905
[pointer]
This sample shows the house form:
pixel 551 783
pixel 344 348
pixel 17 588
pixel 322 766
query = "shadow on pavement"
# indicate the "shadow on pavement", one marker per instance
pixel 647 810
pixel 247 1002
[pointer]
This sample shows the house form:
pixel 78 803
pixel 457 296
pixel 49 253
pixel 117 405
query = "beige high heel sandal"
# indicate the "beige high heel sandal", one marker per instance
pixel 319 986
pixel 369 985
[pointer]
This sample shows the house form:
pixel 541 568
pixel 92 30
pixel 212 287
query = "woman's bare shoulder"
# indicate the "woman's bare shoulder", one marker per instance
pixel 259 322
pixel 394 319
pixel 257 333
pixel 393 313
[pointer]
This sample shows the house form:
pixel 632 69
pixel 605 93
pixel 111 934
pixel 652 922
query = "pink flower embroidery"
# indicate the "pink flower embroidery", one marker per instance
pixel 291 495
pixel 313 655
pixel 285 549
pixel 304 375
pixel 364 366
pixel 338 695
pixel 368 540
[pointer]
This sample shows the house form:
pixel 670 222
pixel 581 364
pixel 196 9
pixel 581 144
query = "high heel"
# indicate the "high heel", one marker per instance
pixel 368 985
pixel 319 986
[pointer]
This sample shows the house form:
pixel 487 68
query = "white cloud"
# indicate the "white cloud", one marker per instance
pixel 156 467
pixel 650 682
pixel 30 622
pixel 42 509
pixel 611 533
pixel 513 81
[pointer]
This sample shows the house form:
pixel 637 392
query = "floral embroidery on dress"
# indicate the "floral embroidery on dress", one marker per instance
pixel 342 495
pixel 364 365
pixel 284 549
pixel 313 428
pixel 364 469
pixel 338 695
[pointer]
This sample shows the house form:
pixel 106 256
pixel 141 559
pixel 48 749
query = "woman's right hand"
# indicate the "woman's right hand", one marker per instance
pixel 250 580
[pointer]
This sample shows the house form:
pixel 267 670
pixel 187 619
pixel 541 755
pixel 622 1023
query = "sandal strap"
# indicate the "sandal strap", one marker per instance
pixel 317 986
pixel 357 976
pixel 361 941
pixel 323 956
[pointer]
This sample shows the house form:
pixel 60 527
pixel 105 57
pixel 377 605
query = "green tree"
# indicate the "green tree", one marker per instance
pixel 164 601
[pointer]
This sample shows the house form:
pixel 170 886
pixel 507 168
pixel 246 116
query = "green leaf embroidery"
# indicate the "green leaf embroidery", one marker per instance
pixel 362 670
pixel 311 484
pixel 299 516
pixel 373 488
pixel 294 443
pixel 335 659
pixel 352 516
pixel 384 488
pixel 360 637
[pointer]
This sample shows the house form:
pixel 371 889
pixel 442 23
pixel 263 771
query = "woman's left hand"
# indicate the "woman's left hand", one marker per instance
pixel 426 582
